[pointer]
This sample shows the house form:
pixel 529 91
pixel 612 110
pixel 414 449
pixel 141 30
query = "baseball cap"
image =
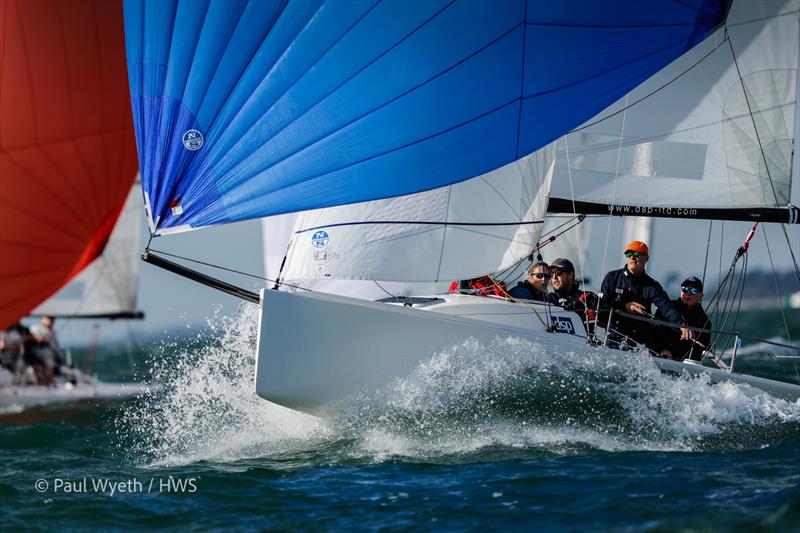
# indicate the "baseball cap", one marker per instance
pixel 692 281
pixel 562 264
pixel 637 246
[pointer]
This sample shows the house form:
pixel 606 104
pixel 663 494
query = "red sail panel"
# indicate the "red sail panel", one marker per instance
pixel 67 146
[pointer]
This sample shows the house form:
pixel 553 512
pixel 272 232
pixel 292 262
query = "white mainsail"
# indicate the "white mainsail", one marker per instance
pixel 714 130
pixel 109 286
pixel 462 231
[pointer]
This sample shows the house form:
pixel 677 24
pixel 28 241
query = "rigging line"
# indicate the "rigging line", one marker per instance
pixel 421 223
pixel 653 92
pixel 791 251
pixel 212 265
pixel 384 290
pixel 780 300
pixel 753 120
pixel 777 288
pixel 708 248
pixel 737 298
pixel 526 304
pixel 715 307
pixel 727 119
pixel 569 221
pixel 574 212
pixel 740 295
pixel 721 238
pixel 578 235
pixel 681 74
pixel 614 188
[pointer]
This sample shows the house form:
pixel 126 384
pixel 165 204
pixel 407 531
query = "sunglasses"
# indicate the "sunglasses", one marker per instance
pixel 540 275
pixel 690 290
pixel 634 254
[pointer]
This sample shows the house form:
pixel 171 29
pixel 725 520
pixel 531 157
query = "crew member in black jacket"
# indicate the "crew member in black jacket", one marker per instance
pixel 688 304
pixel 630 290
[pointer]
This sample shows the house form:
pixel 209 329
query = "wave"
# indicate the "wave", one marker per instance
pixel 508 398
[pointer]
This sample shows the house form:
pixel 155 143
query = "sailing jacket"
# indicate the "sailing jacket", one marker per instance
pixel 571 300
pixel 584 303
pixel 620 287
pixel 526 291
pixel 671 339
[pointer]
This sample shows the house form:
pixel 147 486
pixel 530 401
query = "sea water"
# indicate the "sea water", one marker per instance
pixel 505 435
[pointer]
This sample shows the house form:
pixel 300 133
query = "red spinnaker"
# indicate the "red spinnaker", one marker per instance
pixel 67 146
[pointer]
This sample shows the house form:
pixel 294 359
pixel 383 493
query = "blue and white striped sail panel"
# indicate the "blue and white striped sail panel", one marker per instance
pixel 245 109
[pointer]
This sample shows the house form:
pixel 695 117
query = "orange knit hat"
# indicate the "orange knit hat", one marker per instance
pixel 637 246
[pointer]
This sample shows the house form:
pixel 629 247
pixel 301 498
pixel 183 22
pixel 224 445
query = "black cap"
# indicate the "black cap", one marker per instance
pixel 692 281
pixel 562 264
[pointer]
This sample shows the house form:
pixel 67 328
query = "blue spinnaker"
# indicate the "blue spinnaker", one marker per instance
pixel 246 109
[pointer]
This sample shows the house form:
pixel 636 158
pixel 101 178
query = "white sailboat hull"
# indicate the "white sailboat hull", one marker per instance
pixel 18 397
pixel 316 350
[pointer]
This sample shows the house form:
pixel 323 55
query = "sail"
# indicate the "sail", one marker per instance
pixel 245 109
pixel 67 149
pixel 638 229
pixel 571 242
pixel 109 286
pixel 710 136
pixel 461 231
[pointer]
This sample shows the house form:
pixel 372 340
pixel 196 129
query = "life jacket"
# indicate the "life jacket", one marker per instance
pixel 483 286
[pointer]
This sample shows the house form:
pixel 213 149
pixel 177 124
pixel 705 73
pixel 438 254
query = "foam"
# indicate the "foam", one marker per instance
pixel 511 397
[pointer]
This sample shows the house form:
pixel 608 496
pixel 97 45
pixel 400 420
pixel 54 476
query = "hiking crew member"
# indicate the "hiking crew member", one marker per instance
pixel 535 287
pixel 688 304
pixel 630 290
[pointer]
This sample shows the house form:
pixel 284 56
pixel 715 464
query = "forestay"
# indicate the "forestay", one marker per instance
pixel 710 136
pixel 458 232
pixel 248 109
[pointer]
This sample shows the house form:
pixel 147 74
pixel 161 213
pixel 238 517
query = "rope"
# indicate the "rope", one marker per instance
pixel 708 249
pixel 614 189
pixel 226 269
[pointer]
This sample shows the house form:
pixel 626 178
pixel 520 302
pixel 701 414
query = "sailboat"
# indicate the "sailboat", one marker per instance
pixel 67 179
pixel 341 112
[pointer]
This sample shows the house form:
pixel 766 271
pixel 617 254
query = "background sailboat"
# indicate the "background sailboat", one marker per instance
pixel 109 286
pixel 67 154
pixel 67 165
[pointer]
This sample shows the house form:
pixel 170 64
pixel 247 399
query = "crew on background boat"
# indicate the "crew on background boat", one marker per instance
pixel 535 286
pixel 630 290
pixel 46 348
pixel 567 294
pixel 688 304
pixel 12 346
pixel 43 332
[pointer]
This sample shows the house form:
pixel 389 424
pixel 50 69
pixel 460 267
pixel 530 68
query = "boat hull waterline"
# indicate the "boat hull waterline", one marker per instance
pixel 315 349
pixel 27 396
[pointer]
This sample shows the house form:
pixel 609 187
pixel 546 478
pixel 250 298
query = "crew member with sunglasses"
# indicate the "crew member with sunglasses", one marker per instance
pixel 568 294
pixel 688 303
pixel 630 290
pixel 535 287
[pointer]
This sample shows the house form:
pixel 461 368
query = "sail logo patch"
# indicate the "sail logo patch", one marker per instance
pixel 563 323
pixel 192 140
pixel 319 239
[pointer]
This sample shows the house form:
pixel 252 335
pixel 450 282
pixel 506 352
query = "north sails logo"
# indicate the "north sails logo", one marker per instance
pixel 319 239
pixel 192 140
